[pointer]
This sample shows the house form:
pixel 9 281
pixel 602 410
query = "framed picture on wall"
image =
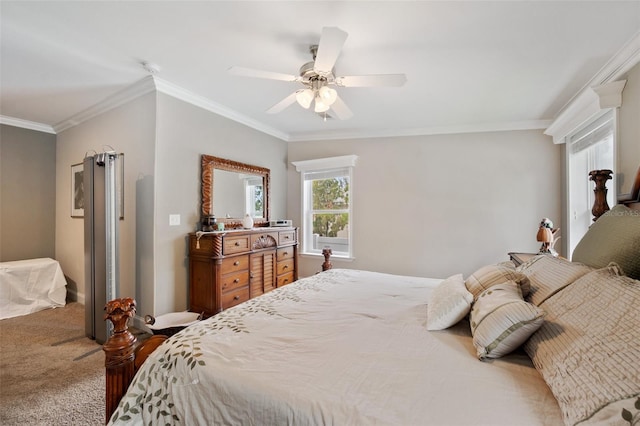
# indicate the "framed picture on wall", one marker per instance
pixel 77 190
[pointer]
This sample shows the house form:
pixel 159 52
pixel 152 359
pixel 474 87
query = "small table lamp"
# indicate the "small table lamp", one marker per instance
pixel 545 236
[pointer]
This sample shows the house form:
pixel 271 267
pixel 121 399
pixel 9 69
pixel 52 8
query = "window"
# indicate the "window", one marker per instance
pixel 327 219
pixel 590 148
pixel 254 200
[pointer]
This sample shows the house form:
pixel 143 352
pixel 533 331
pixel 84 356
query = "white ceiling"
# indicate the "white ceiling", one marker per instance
pixel 470 65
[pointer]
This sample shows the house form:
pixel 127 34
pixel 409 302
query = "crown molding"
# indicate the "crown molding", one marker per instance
pixel 26 124
pixel 580 108
pixel 587 103
pixel 427 131
pixel 185 95
pixel 129 93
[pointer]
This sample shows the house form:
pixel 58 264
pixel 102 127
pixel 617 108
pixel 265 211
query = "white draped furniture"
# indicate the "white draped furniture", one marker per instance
pixel 28 286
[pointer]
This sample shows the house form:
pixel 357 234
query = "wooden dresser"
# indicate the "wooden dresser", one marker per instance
pixel 229 267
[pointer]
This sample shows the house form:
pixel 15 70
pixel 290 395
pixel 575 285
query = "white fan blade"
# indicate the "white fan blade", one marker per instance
pixel 388 80
pixel 341 110
pixel 331 42
pixel 283 104
pixel 248 72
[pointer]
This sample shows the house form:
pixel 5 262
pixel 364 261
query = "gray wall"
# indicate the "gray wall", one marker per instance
pixel 629 132
pixel 27 194
pixel 129 129
pixel 440 205
pixel 184 133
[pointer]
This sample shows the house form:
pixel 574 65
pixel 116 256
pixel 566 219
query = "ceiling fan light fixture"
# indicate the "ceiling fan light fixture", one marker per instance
pixel 320 105
pixel 304 98
pixel 328 95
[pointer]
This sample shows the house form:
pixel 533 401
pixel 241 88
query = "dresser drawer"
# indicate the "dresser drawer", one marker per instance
pixel 203 246
pixel 239 244
pixel 264 240
pixel 235 297
pixel 286 237
pixel 285 279
pixel 284 266
pixel 235 280
pixel 285 253
pixel 234 264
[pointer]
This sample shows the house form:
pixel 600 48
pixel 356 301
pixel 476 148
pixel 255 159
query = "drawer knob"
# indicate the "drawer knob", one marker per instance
pixel 286 280
pixel 285 267
pixel 236 263
pixel 286 253
pixel 236 297
pixel 286 237
pixel 236 281
pixel 237 243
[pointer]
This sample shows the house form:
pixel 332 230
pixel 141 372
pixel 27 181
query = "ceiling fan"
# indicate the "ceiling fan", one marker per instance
pixel 318 76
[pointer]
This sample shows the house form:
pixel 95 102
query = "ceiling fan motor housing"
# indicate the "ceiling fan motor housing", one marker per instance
pixel 310 76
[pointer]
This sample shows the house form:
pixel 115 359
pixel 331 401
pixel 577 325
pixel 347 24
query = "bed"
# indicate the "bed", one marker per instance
pixel 547 343
pixel 28 286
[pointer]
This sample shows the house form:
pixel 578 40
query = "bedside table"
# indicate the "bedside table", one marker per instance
pixel 519 258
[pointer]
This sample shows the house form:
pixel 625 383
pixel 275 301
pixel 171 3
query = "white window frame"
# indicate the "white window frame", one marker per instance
pixel 318 165
pixel 600 127
pixel 587 106
pixel 250 195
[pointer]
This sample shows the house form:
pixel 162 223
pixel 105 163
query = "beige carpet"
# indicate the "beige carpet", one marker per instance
pixel 50 373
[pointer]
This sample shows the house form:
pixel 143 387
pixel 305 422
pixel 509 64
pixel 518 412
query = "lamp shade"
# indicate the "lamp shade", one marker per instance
pixel 304 98
pixel 328 95
pixel 320 105
pixel 544 235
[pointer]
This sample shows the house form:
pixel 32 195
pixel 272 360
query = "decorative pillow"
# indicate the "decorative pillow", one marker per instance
pixel 614 237
pixel 547 275
pixel 507 264
pixel 587 350
pixel 448 304
pixel 501 321
pixel 490 275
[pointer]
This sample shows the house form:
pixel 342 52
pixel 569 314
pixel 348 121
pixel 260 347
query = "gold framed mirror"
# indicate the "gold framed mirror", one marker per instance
pixel 230 189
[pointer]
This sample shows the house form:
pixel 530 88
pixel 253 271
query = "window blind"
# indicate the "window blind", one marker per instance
pixel 326 174
pixel 593 133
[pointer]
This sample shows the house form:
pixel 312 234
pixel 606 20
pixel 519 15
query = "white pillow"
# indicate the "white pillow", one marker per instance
pixel 448 304
pixel 501 321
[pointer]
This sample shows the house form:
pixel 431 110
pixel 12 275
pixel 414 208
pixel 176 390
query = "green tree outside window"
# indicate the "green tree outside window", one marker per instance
pixel 330 195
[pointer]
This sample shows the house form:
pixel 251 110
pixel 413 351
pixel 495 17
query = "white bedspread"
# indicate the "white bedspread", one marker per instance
pixel 28 286
pixel 343 347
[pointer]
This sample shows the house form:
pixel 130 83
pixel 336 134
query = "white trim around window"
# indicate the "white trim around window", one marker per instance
pixel 325 168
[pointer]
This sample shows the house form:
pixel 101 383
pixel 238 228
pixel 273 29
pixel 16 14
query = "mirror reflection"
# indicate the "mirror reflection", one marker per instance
pixel 237 194
pixel 231 189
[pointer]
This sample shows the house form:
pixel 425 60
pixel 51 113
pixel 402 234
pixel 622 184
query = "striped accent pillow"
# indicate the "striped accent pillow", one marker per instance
pixel 501 321
pixel 491 275
pixel 547 275
pixel 588 350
